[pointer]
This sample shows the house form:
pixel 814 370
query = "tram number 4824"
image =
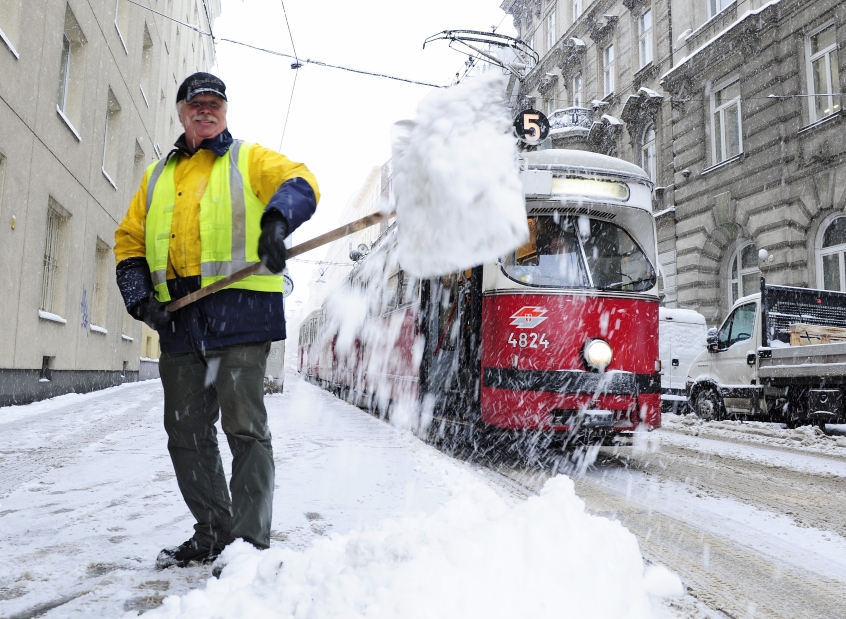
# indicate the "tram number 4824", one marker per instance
pixel 528 340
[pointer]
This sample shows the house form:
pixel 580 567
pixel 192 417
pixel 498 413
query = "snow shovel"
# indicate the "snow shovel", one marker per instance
pixel 457 188
pixel 323 239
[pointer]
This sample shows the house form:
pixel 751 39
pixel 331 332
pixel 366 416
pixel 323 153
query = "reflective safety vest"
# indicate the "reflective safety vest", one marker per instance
pixel 230 223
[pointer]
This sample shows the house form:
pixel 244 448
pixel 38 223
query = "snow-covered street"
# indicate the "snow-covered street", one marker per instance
pixel 749 515
pixel 89 498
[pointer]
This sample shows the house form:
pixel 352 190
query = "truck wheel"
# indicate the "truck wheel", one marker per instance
pixel 708 405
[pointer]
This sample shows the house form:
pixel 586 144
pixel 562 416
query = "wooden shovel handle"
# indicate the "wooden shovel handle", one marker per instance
pixel 323 239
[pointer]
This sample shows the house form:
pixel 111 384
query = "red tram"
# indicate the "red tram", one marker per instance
pixel 561 335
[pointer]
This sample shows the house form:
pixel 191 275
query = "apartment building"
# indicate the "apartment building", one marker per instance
pixel 87 90
pixel 734 109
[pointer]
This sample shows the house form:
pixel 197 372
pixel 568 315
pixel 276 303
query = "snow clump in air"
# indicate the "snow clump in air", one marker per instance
pixel 459 198
pixel 477 557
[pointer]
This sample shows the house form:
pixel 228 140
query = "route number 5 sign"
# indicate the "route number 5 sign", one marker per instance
pixel 531 126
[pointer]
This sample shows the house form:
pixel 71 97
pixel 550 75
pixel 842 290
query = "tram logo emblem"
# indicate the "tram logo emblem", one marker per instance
pixel 528 317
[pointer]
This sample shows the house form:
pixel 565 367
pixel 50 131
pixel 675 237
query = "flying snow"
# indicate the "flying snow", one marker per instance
pixel 459 199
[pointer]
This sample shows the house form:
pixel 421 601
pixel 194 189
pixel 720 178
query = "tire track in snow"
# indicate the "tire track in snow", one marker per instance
pixel 729 575
pixel 60 433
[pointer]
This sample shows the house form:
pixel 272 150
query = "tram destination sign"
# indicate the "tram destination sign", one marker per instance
pixel 531 126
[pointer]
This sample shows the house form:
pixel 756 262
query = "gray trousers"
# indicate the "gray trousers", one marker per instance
pixel 199 386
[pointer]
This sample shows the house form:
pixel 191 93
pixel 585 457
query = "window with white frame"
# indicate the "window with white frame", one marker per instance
pixel 71 72
pixel 577 90
pixel 100 300
pixel 10 24
pixel 608 69
pixel 744 274
pixel 726 131
pixel 550 106
pixel 53 274
pixel 823 73
pixel 831 256
pixel 111 139
pixel 647 152
pixel 645 35
pixel 715 6
pixel 550 30
pixel 577 9
pixel 122 22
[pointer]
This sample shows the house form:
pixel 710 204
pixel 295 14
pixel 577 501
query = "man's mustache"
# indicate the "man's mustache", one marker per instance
pixel 204 118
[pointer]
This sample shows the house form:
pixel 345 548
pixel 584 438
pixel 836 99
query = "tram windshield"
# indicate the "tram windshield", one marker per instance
pixel 579 252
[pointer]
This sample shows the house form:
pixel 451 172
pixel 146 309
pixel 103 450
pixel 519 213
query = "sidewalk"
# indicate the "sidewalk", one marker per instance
pixel 365 518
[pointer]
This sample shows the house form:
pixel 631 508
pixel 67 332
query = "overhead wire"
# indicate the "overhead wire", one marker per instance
pixel 296 66
pixel 298 60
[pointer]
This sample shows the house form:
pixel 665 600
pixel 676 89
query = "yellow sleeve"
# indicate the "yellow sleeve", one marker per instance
pixel 130 236
pixel 269 170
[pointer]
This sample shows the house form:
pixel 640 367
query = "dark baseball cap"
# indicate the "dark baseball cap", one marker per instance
pixel 199 83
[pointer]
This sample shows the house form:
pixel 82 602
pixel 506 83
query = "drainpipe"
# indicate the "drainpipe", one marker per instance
pixel 670 26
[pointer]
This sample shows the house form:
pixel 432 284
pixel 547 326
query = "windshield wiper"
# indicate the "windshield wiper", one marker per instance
pixel 634 282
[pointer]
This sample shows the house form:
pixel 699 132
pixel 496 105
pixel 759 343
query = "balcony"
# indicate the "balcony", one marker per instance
pixel 570 121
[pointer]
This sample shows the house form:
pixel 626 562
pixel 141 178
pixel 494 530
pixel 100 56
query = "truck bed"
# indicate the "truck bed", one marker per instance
pixel 815 360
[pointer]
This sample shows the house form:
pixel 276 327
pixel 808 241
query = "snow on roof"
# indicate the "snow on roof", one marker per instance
pixel 680 315
pixel 743 17
pixel 650 93
pixel 582 159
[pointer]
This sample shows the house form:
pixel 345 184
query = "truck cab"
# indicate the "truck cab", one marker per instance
pixel 723 378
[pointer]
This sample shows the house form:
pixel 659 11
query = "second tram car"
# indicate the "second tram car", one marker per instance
pixel 560 335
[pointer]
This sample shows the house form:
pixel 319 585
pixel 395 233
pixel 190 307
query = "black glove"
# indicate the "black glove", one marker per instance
pixel 271 245
pixel 152 312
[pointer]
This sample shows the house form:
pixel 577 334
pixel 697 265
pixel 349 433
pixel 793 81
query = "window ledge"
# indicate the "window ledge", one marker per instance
pixel 818 123
pixel 68 123
pixel 97 329
pixel 722 164
pixel 51 317
pixel 9 45
pixel 127 338
pixel 108 178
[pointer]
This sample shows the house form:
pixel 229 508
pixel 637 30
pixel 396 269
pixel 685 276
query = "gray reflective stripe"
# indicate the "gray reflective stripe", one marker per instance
pixel 225 269
pixel 154 178
pixel 239 209
pixel 159 277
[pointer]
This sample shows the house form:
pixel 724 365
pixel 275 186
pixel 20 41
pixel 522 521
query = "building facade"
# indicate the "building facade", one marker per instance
pixel 87 91
pixel 733 107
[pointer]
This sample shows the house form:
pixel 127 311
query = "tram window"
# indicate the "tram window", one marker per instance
pixel 409 289
pixel 579 253
pixel 389 299
pixel 615 260
pixel 447 312
pixel 551 257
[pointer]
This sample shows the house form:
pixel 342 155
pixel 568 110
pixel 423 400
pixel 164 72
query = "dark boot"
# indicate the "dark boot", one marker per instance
pixel 190 552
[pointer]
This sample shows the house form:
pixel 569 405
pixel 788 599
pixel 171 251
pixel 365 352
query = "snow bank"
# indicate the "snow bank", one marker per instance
pixel 459 199
pixel 476 557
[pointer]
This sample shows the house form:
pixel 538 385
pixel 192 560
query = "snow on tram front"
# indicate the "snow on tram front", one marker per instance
pixel 560 335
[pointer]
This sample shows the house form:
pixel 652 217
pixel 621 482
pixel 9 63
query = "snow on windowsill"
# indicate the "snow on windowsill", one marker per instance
pixel 127 338
pixel 51 317
pixel 68 123
pixel 97 329
pixel 9 44
pixel 819 122
pixel 671 209
pixel 722 164
pixel 108 178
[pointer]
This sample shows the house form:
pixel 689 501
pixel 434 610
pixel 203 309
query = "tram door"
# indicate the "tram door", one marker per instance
pixel 450 368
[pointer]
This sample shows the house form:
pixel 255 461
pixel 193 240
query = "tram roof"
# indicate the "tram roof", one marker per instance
pixel 583 160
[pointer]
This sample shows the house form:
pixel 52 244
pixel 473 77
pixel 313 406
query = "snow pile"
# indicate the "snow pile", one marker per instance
pixel 805 438
pixel 459 199
pixel 476 557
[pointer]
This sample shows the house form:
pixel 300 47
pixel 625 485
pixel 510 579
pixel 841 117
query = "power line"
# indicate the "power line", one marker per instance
pixel 296 66
pixel 299 61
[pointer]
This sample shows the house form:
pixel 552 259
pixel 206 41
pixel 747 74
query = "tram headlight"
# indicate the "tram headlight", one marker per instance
pixel 598 354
